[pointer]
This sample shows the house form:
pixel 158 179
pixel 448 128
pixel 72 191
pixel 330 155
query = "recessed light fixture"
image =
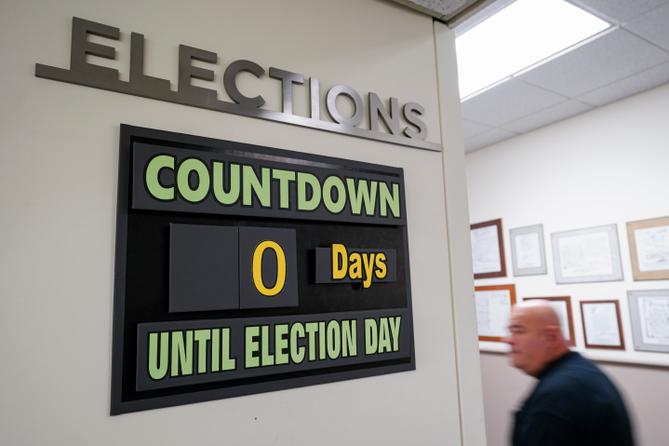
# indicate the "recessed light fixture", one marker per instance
pixel 519 36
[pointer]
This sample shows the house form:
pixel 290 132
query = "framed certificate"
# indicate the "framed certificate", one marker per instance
pixel 493 311
pixel 649 313
pixel 562 306
pixel 488 249
pixel 587 255
pixel 649 248
pixel 601 324
pixel 527 250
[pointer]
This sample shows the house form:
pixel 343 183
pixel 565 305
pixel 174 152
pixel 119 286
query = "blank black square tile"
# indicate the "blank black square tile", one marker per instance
pixel 204 268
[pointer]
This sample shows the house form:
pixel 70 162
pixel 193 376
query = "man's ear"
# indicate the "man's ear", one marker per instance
pixel 552 333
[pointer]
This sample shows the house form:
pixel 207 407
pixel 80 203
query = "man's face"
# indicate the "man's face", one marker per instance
pixel 528 342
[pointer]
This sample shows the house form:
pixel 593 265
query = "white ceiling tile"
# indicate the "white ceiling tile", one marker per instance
pixel 619 10
pixel 613 56
pixel 547 116
pixel 487 138
pixel 653 26
pixel 632 85
pixel 472 128
pixel 508 101
pixel 443 7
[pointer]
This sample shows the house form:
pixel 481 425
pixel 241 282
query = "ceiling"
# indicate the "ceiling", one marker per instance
pixel 630 57
pixel 444 10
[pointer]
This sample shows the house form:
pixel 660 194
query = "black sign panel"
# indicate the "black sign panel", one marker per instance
pixel 243 269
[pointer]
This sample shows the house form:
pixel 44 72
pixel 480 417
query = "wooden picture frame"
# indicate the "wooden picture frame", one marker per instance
pixel 649 248
pixel 488 249
pixel 490 319
pixel 587 255
pixel 612 329
pixel 649 315
pixel 528 254
pixel 565 322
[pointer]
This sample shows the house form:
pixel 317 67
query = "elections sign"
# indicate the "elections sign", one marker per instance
pixel 243 269
pixel 389 120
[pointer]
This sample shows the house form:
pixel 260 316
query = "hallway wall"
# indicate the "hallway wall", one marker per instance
pixel 605 166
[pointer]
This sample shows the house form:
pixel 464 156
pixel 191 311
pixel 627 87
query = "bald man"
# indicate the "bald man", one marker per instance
pixel 573 403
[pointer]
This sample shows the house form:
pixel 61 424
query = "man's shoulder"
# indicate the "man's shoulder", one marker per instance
pixel 574 370
pixel 575 361
pixel 575 395
pixel 576 382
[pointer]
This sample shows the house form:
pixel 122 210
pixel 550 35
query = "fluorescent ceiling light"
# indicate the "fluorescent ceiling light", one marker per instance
pixel 522 34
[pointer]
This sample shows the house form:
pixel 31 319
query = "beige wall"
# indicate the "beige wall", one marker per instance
pixel 58 179
pixel 644 388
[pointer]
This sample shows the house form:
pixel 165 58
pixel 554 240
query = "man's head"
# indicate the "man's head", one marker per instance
pixel 535 336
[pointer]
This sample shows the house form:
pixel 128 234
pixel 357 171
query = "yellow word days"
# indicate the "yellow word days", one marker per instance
pixel 364 266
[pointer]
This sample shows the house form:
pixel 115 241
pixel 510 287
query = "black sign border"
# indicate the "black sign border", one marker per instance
pixel 130 134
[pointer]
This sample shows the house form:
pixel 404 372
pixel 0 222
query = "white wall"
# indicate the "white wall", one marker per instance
pixel 606 166
pixel 58 178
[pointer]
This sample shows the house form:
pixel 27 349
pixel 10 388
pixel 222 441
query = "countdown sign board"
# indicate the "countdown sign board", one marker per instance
pixel 243 269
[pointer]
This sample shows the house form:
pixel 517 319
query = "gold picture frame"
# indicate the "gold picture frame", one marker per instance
pixel 488 258
pixel 649 248
pixel 499 292
pixel 616 338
